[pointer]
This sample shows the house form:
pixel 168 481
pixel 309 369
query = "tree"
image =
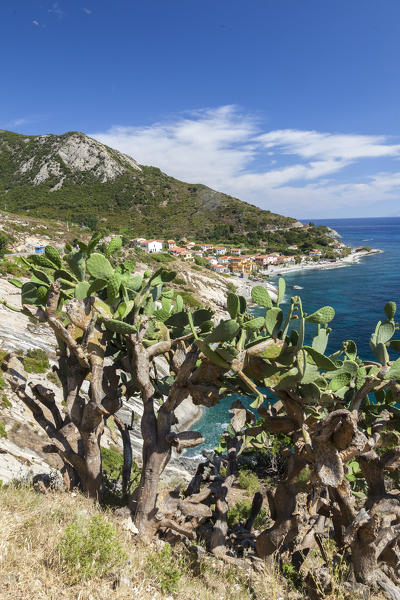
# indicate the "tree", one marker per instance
pixel 3 244
pixel 340 412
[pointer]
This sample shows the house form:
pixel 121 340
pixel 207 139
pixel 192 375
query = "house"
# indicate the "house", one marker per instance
pixel 219 250
pixel 240 264
pixel 206 247
pixel 288 260
pixel 152 246
pixel 293 247
pixel 190 244
pixel 211 260
pixel 315 253
pixel 137 241
pixel 235 251
pixel 197 253
pixel 268 259
pixel 261 260
pixel 177 251
pixel 171 244
pixel 223 260
pixel 220 268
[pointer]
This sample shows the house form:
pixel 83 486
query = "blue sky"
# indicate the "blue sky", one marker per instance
pixel 292 105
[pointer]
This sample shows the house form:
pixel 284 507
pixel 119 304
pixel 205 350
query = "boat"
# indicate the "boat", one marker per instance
pixel 297 287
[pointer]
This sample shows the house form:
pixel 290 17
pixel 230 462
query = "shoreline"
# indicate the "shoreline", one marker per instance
pixel 352 259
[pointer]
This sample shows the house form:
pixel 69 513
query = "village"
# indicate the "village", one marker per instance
pixel 229 260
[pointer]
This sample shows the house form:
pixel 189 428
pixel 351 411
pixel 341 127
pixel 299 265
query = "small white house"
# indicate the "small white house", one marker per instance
pixel 221 250
pixel 153 246
pixel 220 268
pixel 211 260
pixel 223 260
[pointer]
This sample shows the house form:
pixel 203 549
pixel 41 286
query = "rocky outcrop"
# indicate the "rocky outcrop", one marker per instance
pixel 77 153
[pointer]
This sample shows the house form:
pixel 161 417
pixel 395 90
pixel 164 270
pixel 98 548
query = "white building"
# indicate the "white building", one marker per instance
pixel 152 246
pixel 220 268
pixel 223 260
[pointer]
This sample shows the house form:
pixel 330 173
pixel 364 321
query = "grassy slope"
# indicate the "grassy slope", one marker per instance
pixel 150 203
pixel 34 566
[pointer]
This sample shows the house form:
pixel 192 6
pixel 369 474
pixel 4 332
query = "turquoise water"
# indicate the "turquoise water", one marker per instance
pixel 357 292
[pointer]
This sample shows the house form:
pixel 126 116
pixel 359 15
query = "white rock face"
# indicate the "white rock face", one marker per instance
pixel 47 170
pixel 79 153
pixel 17 462
pixel 85 154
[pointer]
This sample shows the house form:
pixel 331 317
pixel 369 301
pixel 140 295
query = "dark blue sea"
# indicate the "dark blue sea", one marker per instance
pixel 357 292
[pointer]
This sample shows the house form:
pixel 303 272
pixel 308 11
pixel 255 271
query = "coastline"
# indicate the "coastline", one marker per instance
pixel 351 259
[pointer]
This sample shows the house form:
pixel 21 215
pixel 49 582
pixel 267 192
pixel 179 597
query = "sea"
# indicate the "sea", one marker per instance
pixel 358 293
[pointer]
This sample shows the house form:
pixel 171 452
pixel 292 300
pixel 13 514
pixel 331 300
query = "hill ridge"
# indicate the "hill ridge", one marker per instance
pixel 75 177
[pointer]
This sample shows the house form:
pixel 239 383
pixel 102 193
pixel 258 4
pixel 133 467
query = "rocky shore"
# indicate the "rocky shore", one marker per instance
pixel 351 259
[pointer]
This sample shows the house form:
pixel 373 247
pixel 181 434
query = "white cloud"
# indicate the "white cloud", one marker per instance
pixel 87 11
pixel 21 121
pixel 227 150
pixel 312 144
pixel 36 23
pixel 56 10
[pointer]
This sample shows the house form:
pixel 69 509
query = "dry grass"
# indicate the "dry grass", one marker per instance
pixel 33 566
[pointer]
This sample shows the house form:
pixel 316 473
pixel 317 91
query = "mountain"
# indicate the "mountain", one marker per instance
pixel 76 178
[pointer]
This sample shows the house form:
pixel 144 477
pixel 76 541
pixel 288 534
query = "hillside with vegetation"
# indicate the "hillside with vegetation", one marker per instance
pixel 77 179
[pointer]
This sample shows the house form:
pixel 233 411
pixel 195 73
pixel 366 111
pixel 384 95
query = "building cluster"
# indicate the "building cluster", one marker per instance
pixel 225 260
pixel 220 258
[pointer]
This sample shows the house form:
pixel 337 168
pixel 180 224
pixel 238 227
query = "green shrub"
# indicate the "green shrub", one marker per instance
pixel 112 464
pixel 90 549
pixel 292 575
pixel 179 281
pixel 248 480
pixel 36 361
pixel 3 432
pixel 5 403
pixel 189 300
pixel 166 568
pixel 3 244
pixel 3 383
pixel 201 262
pixel 54 378
pixel 241 512
pixel 196 268
pixel 161 257
pixel 14 268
